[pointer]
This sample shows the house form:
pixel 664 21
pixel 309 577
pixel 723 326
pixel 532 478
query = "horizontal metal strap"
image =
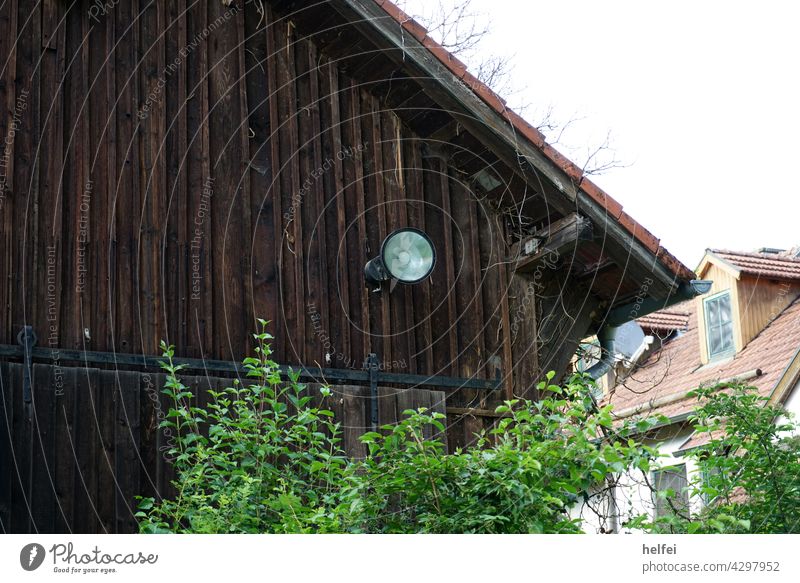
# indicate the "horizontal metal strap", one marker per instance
pixel 320 375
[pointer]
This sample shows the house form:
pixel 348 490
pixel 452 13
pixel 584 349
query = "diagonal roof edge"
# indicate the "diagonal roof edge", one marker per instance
pixel 534 136
pixel 710 257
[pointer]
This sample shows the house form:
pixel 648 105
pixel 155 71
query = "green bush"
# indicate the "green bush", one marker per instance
pixel 262 459
pixel 748 466
pixel 257 459
pixel 521 477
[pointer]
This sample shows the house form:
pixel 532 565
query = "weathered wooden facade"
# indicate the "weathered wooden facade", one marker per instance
pixel 175 170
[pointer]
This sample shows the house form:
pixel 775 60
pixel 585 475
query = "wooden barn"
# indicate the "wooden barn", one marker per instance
pixel 175 170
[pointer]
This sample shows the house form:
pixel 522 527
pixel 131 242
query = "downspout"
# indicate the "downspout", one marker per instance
pixel 607 336
pixel 607 333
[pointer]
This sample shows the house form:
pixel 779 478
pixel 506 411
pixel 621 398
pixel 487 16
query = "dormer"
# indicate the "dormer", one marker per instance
pixel 749 290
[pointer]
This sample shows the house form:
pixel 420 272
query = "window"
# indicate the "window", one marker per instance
pixel 670 487
pixel 719 325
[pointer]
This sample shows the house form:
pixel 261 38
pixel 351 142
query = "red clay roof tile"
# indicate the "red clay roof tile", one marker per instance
pixel 612 206
pixel 643 235
pixel 416 29
pixel 665 321
pixel 769 265
pixel 676 367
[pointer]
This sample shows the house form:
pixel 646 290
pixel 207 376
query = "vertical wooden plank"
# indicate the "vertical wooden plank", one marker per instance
pixel 523 302
pixel 50 260
pixel 244 252
pixel 338 259
pixel 407 399
pixel 449 263
pixel 290 171
pixel 490 289
pixel 149 409
pixel 65 450
pixel 304 209
pixel 421 293
pixel 26 168
pixel 468 300
pixel 106 402
pixel 51 20
pixel 505 315
pixel 379 316
pixel 127 205
pixel 127 439
pixel 262 278
pixel 399 300
pixel 356 419
pixel 316 307
pixel 152 181
pixel 9 108
pixel 387 406
pixel 76 205
pixel 352 255
pixel 165 439
pixel 7 461
pixel 468 294
pixel 22 452
pixel 200 316
pixel 88 448
pixel 176 274
pixel 94 299
pixel 42 484
pixel 274 191
pixel 329 335
pixel 284 235
pixel 361 250
pixel 226 218
pixel 435 219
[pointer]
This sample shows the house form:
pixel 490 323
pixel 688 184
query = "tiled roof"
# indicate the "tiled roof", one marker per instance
pixel 783 265
pixel 659 384
pixel 533 135
pixel 665 320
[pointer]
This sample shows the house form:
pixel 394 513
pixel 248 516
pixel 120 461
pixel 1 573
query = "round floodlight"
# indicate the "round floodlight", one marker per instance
pixel 408 255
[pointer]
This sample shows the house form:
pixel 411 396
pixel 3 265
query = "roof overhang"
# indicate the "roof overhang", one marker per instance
pixel 623 256
pixel 516 142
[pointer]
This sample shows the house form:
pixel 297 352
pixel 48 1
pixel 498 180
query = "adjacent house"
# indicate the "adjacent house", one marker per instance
pixel 746 327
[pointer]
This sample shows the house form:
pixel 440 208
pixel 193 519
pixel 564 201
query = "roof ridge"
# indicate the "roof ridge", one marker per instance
pixel 758 255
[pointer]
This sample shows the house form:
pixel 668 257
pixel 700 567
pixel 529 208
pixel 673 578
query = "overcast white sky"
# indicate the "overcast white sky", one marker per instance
pixel 702 99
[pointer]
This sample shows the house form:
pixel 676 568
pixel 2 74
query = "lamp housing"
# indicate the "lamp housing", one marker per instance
pixel 407 256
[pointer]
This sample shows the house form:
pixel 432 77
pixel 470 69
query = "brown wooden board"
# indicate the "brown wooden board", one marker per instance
pixel 7 460
pixel 65 460
pixel 87 452
pixel 42 493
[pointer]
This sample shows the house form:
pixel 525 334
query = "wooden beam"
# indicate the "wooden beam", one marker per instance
pixel 475 412
pixel 559 238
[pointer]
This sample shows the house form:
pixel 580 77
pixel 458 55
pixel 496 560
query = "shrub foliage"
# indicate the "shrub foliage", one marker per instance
pixel 263 458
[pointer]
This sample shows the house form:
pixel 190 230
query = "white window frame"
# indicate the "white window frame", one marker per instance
pixel 732 349
pixel 683 495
